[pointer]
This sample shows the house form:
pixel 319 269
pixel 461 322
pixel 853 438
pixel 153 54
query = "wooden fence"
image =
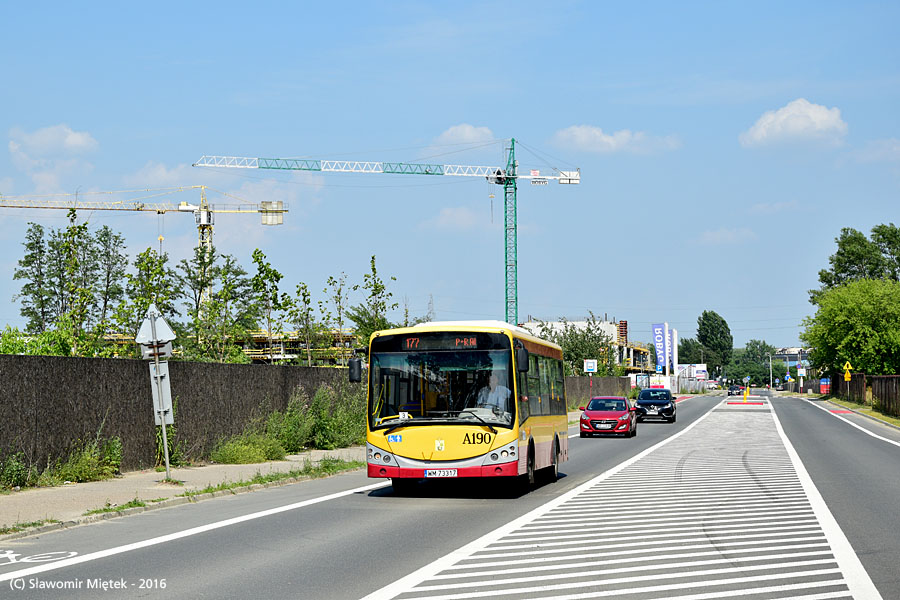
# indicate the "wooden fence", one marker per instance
pixel 886 392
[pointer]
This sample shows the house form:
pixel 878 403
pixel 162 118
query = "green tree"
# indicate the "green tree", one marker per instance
pixel 857 322
pixel 196 276
pixel 580 343
pixel 857 257
pixel 690 351
pixel 80 276
pixel 338 295
pixel 35 296
pixel 302 316
pixel 153 282
pixel 714 334
pixel 371 315
pixel 112 262
pixel 265 287
pixel 887 239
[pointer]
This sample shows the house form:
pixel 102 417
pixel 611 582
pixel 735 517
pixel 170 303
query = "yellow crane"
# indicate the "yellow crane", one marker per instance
pixel 272 212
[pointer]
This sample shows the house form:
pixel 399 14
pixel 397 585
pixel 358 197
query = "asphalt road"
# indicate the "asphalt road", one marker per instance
pixel 297 541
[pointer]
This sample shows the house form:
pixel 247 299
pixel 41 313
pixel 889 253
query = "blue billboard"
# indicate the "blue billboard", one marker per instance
pixel 661 345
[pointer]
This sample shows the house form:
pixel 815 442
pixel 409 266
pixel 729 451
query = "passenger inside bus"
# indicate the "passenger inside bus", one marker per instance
pixel 494 394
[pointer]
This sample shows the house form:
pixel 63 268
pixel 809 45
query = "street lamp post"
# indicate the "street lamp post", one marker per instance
pixel 771 386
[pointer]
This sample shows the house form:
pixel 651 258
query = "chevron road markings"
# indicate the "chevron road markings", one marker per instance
pixel 722 509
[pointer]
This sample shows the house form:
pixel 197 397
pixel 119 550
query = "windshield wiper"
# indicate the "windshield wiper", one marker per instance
pixel 485 423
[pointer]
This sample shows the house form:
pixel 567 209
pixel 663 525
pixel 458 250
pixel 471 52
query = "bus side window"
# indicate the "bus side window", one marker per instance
pixel 524 409
pixel 546 387
pixel 561 387
pixel 534 386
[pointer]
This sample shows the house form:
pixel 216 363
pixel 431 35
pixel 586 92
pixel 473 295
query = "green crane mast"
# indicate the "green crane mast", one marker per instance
pixel 506 176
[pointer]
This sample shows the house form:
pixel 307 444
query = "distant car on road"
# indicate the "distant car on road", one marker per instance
pixel 734 390
pixel 656 404
pixel 608 414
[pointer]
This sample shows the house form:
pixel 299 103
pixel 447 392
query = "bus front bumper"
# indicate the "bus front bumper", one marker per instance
pixel 509 469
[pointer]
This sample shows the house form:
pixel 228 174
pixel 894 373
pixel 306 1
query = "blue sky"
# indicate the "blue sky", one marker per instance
pixel 722 146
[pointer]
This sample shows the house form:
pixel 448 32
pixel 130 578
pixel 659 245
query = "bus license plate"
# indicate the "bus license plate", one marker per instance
pixel 440 473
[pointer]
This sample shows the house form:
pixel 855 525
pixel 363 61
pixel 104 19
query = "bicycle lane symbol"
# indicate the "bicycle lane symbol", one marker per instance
pixel 8 557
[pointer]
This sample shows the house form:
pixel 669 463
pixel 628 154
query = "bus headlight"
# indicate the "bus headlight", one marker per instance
pixel 378 456
pixel 494 456
pixel 504 453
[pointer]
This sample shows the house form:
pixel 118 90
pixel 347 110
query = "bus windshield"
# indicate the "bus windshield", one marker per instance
pixel 449 378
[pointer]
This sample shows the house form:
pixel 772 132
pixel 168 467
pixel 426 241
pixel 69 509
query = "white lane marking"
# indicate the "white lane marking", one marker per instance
pixel 409 581
pixel 858 579
pixel 852 424
pixel 182 534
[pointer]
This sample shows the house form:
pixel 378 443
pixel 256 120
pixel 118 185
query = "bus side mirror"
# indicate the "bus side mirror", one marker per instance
pixel 355 365
pixel 521 360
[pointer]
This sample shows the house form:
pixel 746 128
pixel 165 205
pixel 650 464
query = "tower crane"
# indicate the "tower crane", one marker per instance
pixel 204 213
pixel 272 212
pixel 505 176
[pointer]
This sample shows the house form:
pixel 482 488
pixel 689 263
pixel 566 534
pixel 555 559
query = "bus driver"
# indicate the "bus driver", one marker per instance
pixel 494 394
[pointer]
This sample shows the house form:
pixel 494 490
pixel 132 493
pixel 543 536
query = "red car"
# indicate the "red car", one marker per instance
pixel 609 414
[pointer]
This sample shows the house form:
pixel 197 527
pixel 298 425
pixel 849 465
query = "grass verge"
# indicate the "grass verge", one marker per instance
pixel 327 466
pixel 109 508
pixel 865 409
pixel 17 527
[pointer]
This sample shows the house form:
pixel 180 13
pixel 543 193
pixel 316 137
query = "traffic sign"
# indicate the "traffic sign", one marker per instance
pixel 590 365
pixel 847 376
pixel 154 320
pixel 747 379
pixel 848 366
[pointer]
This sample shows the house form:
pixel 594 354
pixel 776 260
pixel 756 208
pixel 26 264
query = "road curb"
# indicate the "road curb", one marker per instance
pixel 175 501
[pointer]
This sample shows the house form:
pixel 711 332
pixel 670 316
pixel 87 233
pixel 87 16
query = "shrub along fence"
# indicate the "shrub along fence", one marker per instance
pixel 580 389
pixel 50 404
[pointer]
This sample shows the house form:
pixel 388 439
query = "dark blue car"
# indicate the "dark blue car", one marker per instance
pixel 656 404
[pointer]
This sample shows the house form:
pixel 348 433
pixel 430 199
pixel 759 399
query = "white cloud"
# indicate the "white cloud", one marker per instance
pixel 464 134
pixel 57 140
pixel 50 154
pixel 799 120
pixel 887 150
pixel 593 139
pixel 457 218
pixel 6 185
pixel 726 236
pixel 155 174
pixel 768 208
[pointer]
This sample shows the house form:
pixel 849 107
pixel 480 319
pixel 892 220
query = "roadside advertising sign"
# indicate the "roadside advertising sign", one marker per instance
pixel 659 343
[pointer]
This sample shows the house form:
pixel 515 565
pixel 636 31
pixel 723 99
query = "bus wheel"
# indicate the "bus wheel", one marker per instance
pixel 553 470
pixel 528 478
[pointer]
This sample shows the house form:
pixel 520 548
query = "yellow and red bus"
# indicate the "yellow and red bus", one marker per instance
pixel 463 399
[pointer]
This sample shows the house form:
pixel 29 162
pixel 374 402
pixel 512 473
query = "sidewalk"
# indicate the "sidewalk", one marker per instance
pixel 68 503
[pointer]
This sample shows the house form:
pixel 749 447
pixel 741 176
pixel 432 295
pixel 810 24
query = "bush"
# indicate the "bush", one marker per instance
pixel 13 471
pixel 91 462
pixel 237 451
pixel 293 427
pixel 248 448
